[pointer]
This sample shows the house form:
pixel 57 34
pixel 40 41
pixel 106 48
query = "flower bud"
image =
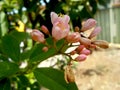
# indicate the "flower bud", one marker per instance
pixel 77 29
pixel 90 23
pixel 95 32
pixel 37 36
pixel 81 57
pixel 92 46
pixel 45 29
pixel 45 49
pixel 101 43
pixel 85 51
pixel 85 41
pixel 72 52
pixel 68 74
pixel 79 48
pixel 73 37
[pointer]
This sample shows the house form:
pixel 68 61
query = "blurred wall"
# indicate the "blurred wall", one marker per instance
pixel 109 20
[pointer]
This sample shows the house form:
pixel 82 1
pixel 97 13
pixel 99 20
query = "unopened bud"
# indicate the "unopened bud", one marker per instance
pixel 85 51
pixel 101 43
pixel 95 32
pixel 45 29
pixel 45 49
pixel 73 37
pixel 72 52
pixel 92 46
pixel 80 48
pixel 37 36
pixel 68 74
pixel 90 23
pixel 85 41
pixel 81 57
pixel 77 29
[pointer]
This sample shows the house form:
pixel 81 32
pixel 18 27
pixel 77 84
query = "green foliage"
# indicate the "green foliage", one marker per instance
pixel 23 82
pixel 3 24
pixel 39 55
pixel 10 48
pixel 19 36
pixel 5 84
pixel 53 79
pixel 8 69
pixel 12 55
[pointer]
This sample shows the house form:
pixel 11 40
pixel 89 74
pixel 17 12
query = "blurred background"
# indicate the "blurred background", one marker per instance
pixel 34 13
pixel 108 19
pixel 101 70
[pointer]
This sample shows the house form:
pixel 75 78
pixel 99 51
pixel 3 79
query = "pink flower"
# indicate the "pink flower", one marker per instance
pixel 81 57
pixel 80 48
pixel 45 29
pixel 73 37
pixel 90 23
pixel 85 51
pixel 95 32
pixel 60 27
pixel 37 36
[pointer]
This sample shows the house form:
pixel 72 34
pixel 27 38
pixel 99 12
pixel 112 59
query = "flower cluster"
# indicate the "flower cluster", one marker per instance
pixel 86 42
pixel 61 30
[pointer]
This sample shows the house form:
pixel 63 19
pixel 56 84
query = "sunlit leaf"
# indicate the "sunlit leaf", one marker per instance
pixel 3 24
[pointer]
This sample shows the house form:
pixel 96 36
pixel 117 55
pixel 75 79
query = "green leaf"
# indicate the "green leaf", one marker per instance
pixel 7 69
pixel 60 43
pixel 25 54
pixel 20 36
pixel 39 55
pixel 53 79
pixel 3 24
pixel 3 58
pixel 10 47
pixel 5 84
pixel 50 41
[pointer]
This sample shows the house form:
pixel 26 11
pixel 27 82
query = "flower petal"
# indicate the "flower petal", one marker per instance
pixel 90 23
pixel 81 57
pixel 95 32
pixel 37 36
pixel 60 27
pixel 66 18
pixel 73 37
pixel 54 17
pixel 85 51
